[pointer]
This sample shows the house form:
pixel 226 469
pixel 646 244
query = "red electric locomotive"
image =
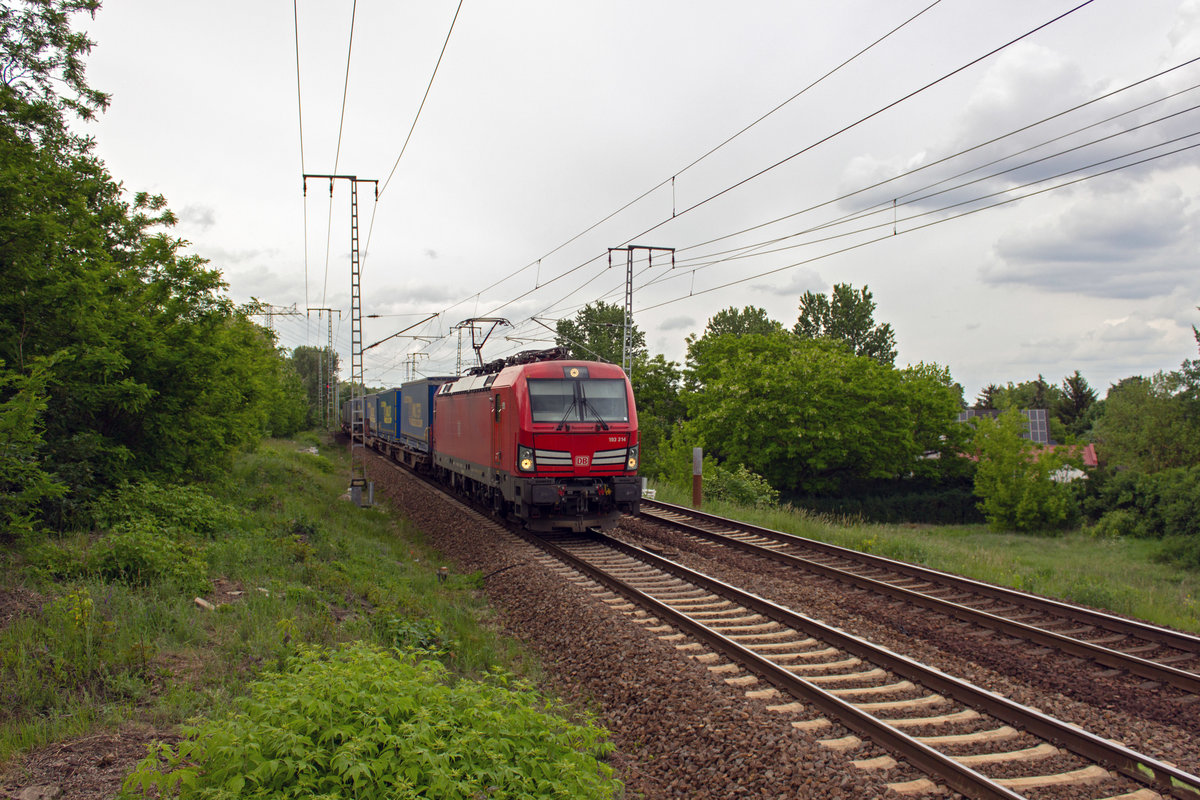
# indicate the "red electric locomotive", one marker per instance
pixel 554 443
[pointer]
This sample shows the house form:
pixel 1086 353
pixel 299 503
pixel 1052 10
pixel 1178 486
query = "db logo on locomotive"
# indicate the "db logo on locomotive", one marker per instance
pixel 582 461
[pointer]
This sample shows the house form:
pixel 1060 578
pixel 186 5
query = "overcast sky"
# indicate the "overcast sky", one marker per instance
pixel 546 117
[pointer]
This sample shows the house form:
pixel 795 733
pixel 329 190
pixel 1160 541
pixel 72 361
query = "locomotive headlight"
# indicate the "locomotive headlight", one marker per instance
pixel 631 459
pixel 525 461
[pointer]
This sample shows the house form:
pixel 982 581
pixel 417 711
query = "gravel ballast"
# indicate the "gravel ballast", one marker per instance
pixel 681 731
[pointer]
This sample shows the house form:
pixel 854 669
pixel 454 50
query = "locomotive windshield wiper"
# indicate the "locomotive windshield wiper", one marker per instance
pixel 587 405
pixel 562 423
pixel 580 401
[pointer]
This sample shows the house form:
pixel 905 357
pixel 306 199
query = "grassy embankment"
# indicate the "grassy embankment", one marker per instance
pixel 1118 575
pixel 104 629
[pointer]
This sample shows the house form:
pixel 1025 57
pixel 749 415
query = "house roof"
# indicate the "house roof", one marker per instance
pixel 1037 422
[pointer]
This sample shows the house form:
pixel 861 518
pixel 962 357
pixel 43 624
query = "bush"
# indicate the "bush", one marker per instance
pixel 421 634
pixel 919 500
pixel 1161 505
pixel 1149 506
pixel 184 508
pixel 740 486
pixel 1015 482
pixel 361 723
pixel 1116 524
pixel 24 480
pixel 138 556
pixel 1181 550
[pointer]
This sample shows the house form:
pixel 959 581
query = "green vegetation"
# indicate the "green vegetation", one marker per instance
pixel 597 333
pixel 360 722
pixel 1016 483
pixel 1122 575
pixel 128 378
pixel 818 415
pixel 810 415
pixel 121 358
pixel 301 582
pixel 313 366
pixel 847 316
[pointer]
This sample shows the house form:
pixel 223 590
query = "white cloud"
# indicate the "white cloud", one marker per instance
pixel 677 323
pixel 795 281
pixel 1184 36
pixel 1016 89
pixel 394 298
pixel 1113 349
pixel 202 217
pixel 1138 244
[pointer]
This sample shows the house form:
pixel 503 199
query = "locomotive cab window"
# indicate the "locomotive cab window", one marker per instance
pixel 587 400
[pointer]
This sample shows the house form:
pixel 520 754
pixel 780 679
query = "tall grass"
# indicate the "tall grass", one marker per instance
pixel 284 559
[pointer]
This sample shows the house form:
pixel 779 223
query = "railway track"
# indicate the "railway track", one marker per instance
pixel 1156 654
pixel 971 740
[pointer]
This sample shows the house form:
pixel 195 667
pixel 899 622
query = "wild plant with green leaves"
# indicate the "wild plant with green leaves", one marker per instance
pixel 361 722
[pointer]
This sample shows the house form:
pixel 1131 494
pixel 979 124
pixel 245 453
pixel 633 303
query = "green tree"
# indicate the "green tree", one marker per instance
pixel 933 401
pixel 1190 374
pixel 311 365
pixel 148 366
pixel 596 333
pixel 803 413
pixel 41 55
pixel 727 322
pixel 1015 481
pixel 24 484
pixel 659 406
pixel 1149 424
pixel 847 315
pixel 1077 397
pixel 1029 394
pixel 986 401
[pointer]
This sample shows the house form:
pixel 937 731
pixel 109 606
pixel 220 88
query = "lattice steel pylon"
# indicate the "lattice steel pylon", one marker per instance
pixel 627 339
pixel 260 309
pixel 360 489
pixel 328 386
pixel 331 373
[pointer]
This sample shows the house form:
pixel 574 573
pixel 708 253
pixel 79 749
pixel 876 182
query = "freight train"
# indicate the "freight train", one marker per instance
pixel 550 441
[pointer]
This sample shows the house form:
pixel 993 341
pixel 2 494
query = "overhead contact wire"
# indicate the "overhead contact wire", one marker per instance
pixel 300 121
pixel 740 252
pixel 338 152
pixel 960 153
pixel 679 172
pixel 814 145
pixel 868 117
pixel 891 235
pixel 413 127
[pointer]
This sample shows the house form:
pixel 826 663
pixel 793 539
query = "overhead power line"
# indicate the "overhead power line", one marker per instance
pixel 981 145
pixel 413 127
pixel 808 148
pixel 338 151
pixel 300 125
pixel 889 225
pixel 861 214
pixel 425 97
pixel 924 193
pixel 890 234
pixel 868 117
pixel 693 163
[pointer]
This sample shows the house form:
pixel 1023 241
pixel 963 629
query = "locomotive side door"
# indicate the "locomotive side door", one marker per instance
pixel 497 433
